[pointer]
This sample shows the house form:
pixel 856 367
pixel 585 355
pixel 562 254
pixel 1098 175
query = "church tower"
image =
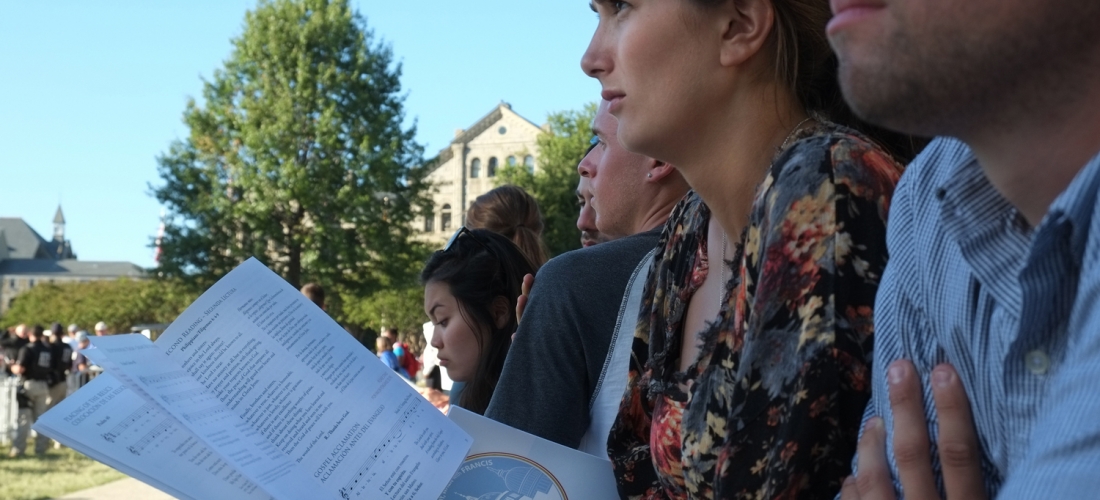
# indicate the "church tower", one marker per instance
pixel 59 226
pixel 60 248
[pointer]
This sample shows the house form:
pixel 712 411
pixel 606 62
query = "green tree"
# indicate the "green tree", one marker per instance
pixel 297 155
pixel 400 308
pixel 120 303
pixel 554 185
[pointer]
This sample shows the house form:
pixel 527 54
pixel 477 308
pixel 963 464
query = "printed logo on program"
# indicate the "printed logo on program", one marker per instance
pixel 499 476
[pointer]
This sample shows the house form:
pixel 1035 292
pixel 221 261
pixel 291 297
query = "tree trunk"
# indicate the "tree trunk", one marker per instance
pixel 294 264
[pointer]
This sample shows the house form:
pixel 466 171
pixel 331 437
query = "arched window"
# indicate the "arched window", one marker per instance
pixel 475 168
pixel 529 162
pixel 492 170
pixel 511 161
pixel 429 222
pixel 445 220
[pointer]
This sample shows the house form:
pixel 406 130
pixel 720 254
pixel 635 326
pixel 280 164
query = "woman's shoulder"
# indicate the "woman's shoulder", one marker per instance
pixel 832 153
pixel 685 222
pixel 689 209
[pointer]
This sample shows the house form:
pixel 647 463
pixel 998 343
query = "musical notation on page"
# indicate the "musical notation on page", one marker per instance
pixel 165 379
pixel 133 418
pixel 150 437
pixel 183 396
pixel 355 486
pixel 206 413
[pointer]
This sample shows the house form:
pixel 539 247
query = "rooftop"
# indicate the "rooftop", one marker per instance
pixel 24 242
pixel 70 268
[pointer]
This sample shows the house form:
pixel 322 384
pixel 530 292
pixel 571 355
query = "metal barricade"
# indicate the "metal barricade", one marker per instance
pixel 9 406
pixel 77 380
pixel 9 409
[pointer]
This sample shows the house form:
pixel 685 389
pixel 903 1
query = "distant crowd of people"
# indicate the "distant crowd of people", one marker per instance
pixel 40 361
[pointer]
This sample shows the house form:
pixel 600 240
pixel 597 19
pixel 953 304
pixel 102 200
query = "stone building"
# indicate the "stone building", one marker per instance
pixel 27 259
pixel 468 166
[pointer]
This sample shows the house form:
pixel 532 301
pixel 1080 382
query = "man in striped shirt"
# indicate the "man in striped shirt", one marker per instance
pixel 994 279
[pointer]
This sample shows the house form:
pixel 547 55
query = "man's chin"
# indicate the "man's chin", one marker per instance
pixel 872 96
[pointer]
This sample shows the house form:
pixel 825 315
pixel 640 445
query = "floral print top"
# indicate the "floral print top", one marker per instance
pixel 779 387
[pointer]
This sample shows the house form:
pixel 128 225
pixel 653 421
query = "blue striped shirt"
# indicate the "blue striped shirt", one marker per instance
pixel 1015 310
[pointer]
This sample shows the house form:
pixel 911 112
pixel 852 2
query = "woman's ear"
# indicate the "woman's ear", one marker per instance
pixel 502 311
pixel 748 24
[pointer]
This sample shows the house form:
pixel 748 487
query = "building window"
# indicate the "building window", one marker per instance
pixel 429 223
pixel 445 220
pixel 492 170
pixel 529 162
pixel 511 161
pixel 11 283
pixel 31 284
pixel 475 168
pixel 502 130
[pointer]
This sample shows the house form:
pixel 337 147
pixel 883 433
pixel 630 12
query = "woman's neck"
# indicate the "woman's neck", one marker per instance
pixel 732 155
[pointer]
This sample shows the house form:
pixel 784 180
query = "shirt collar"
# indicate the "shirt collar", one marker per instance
pixel 988 230
pixel 984 226
pixel 1076 205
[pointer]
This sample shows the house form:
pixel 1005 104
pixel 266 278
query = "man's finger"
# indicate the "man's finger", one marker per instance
pixel 528 282
pixel 521 304
pixel 525 290
pixel 911 444
pixel 849 491
pixel 960 454
pixel 872 480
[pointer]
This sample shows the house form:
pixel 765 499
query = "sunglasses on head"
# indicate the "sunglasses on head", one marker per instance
pixel 592 143
pixel 464 230
pixel 461 231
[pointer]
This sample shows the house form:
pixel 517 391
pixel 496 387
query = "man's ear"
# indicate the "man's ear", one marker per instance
pixel 747 25
pixel 501 310
pixel 659 170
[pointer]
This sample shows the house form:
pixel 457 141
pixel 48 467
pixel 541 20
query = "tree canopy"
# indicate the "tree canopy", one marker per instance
pixel 120 303
pixel 554 184
pixel 297 155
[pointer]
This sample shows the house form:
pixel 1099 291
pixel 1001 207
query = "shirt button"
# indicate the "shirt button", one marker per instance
pixel 1037 362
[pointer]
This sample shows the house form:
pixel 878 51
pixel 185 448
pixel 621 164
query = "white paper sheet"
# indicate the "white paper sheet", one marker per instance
pixel 143 368
pixel 116 426
pixel 506 462
pixel 252 355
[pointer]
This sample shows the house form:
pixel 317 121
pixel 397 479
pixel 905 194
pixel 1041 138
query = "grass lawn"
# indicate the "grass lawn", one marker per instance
pixel 59 472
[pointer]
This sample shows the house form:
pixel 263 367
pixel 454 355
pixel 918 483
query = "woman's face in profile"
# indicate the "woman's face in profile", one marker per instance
pixel 453 336
pixel 653 59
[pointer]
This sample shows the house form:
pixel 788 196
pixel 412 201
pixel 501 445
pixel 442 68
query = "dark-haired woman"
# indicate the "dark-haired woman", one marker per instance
pixel 758 313
pixel 470 292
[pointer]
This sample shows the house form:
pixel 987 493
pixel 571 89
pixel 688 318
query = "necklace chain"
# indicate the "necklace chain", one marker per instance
pixel 793 132
pixel 722 265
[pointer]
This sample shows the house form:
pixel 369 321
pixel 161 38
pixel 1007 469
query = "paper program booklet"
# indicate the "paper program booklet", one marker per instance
pixel 255 393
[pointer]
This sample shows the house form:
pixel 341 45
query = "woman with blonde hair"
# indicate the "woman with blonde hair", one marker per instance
pixel 754 340
pixel 510 211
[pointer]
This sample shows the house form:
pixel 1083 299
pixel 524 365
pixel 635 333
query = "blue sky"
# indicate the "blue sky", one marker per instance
pixel 91 91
